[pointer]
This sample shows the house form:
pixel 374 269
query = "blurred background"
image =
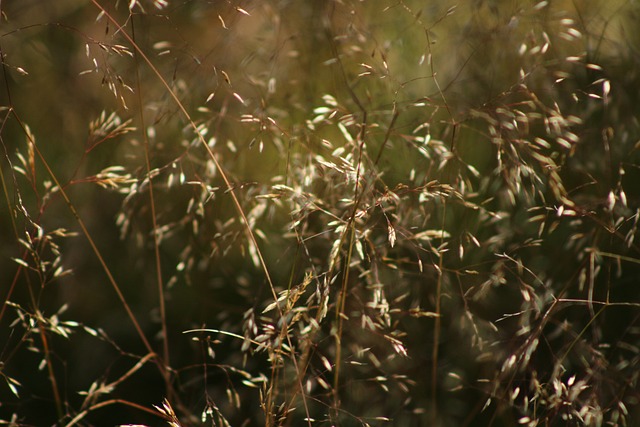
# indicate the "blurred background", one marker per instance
pixel 456 185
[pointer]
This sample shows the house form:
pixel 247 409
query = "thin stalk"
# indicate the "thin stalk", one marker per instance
pixel 84 413
pixel 342 298
pixel 437 326
pixel 154 221
pixel 52 376
pixel 350 227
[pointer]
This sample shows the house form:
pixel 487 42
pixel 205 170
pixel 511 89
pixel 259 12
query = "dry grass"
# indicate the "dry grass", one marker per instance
pixel 334 213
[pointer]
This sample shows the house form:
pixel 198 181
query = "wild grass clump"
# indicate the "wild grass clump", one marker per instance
pixel 334 213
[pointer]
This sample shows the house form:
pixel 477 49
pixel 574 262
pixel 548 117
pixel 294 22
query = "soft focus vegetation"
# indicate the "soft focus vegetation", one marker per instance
pixel 320 213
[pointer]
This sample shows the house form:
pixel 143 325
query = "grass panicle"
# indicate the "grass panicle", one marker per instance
pixel 340 213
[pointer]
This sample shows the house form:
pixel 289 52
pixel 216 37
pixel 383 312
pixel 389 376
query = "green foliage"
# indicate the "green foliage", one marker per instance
pixel 320 213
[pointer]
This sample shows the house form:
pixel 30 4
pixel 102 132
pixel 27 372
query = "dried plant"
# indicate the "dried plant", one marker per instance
pixel 325 213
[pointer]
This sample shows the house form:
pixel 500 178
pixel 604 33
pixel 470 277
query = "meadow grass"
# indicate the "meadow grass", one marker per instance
pixel 326 213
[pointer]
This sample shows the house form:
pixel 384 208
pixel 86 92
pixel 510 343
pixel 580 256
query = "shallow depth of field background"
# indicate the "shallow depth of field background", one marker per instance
pixel 320 213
